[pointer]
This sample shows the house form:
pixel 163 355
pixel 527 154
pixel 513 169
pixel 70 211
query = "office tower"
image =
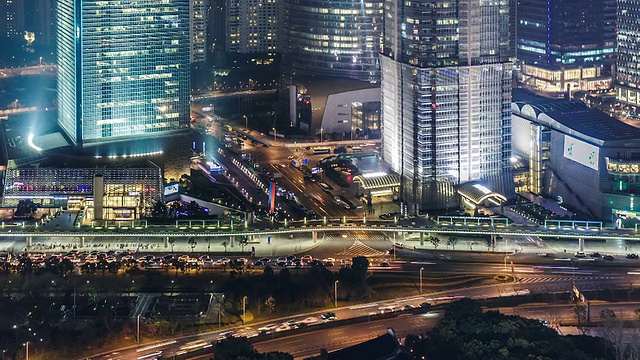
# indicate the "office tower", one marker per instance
pixel 566 43
pixel 446 98
pixel 332 38
pixel 12 19
pixel 252 26
pixel 199 15
pixel 628 57
pixel 123 69
pixel 39 20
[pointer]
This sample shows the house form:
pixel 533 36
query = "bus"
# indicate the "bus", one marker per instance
pixel 322 150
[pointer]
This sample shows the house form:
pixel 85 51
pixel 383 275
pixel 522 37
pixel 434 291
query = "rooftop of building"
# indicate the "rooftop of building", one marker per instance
pixel 574 115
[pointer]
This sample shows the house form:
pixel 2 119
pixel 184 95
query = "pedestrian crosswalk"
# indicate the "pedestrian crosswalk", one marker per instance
pixel 552 278
pixel 361 249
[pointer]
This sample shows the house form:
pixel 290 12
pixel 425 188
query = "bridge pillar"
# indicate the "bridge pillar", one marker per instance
pixel 166 242
pixel 81 242
pixel 29 240
pixel 421 238
pixel 580 244
pixel 232 241
pixel 314 235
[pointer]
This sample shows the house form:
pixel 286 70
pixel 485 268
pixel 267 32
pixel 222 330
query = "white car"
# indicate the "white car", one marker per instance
pixel 309 320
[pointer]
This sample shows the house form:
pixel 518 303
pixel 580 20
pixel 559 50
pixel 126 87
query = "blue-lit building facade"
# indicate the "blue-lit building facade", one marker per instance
pixel 123 69
pixel 338 38
pixel 563 43
pixel 446 96
pixel 628 56
pixel 581 157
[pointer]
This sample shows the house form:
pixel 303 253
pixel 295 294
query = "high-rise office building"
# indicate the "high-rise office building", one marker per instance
pixel 123 69
pixel 338 38
pixel 446 98
pixel 12 19
pixel 199 16
pixel 563 43
pixel 628 57
pixel 253 26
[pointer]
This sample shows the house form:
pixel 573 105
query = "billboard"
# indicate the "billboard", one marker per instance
pixel 171 191
pixel 581 152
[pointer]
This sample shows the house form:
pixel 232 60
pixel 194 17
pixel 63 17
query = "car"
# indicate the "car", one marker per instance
pixel 329 259
pixel 631 256
pixel 608 257
pixel 384 264
pixel 426 305
pixel 328 316
pixel 595 255
pixel 265 260
pixel 337 199
pixel 281 259
pixel 307 258
pixel 408 307
pixel 309 320
pixel 258 263
pixel 580 254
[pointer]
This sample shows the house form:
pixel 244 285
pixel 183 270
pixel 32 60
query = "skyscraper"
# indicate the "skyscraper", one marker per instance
pixel 628 60
pixel 199 16
pixel 123 68
pixel 253 26
pixel 566 42
pixel 332 38
pixel 446 98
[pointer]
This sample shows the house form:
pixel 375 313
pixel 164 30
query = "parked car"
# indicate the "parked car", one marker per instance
pixel 608 257
pixel 631 256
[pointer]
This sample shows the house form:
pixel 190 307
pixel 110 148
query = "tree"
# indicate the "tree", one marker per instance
pixel 192 242
pixel 467 333
pixel 453 240
pixel 581 312
pixel 435 241
pixel 160 210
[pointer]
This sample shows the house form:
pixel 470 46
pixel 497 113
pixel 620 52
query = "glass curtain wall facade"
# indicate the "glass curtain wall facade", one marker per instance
pixel 628 57
pixel 566 42
pixel 446 97
pixel 126 191
pixel 339 38
pixel 123 68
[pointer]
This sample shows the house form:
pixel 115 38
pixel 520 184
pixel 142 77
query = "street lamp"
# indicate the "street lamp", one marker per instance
pixel 321 131
pixel 26 350
pixel 246 123
pixel 274 134
pixel 138 328
pixel 421 269
pixel 244 309
pixel 335 292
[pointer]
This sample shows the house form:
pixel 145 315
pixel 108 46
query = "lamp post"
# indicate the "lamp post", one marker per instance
pixel 274 134
pixel 421 269
pixel 246 123
pixel 321 133
pixel 138 328
pixel 26 350
pixel 335 292
pixel 244 309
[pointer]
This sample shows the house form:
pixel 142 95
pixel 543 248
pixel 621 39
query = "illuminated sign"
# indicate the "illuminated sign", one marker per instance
pixel 171 189
pixel 581 152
